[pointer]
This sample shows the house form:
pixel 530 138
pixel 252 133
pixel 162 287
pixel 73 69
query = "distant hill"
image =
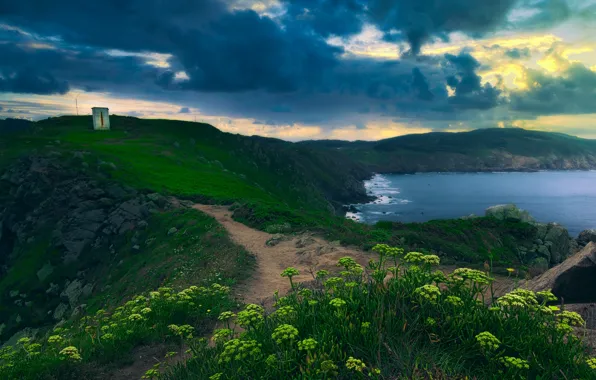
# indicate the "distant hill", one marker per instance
pixel 494 149
pixel 14 125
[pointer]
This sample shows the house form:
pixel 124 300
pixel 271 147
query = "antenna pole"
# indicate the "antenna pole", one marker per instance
pixel 77 104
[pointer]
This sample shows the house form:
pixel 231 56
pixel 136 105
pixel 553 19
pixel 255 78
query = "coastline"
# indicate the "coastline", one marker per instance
pixel 382 192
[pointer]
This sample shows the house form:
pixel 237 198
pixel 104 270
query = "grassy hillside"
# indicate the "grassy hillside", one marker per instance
pixel 478 150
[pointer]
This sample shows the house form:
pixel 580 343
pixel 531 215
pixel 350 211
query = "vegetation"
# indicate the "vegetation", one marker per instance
pixel 397 318
pixel 493 149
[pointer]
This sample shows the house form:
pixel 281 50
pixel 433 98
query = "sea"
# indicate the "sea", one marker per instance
pixel 564 197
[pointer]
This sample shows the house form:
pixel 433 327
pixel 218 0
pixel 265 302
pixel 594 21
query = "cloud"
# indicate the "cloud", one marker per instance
pixel 31 82
pixel 571 92
pixel 469 92
pixel 517 53
pixel 184 110
pixel 326 17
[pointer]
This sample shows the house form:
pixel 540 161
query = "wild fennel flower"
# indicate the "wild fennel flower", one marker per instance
pixel 290 272
pixel 284 333
pixel 322 274
pixel 107 336
pixel 271 360
pixel 152 373
pixel 515 363
pixel 250 318
pixel 546 296
pixel 307 344
pixel 216 376
pixel 312 302
pixel 346 262
pixel 226 316
pixel 70 353
pixel 430 322
pixel 285 313
pixel 135 317
pixel 355 364
pixel 337 302
pixel 222 335
pixel 455 301
pixel 237 349
pixel 55 339
pixel 329 368
pixel 591 362
pixel 146 310
pixel 364 327
pixel 306 293
pixel 414 257
pixel 333 282
pixel 472 275
pixel 570 318
pixel 488 342
pixel 429 293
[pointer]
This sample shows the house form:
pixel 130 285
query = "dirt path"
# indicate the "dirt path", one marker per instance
pixel 306 253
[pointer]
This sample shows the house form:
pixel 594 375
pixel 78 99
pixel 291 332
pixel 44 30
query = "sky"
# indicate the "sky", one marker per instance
pixel 306 69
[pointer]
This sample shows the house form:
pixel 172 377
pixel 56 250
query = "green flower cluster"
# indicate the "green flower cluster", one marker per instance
pixel 429 293
pixel 488 342
pixel 455 301
pixel 237 349
pixel 307 344
pixel 473 275
pixel 251 316
pixel 70 353
pixel 184 331
pixel 384 249
pixel 284 333
pixel 571 318
pixel 286 313
pixel 222 335
pixel 290 272
pixel 337 302
pixel 514 363
pixel 355 364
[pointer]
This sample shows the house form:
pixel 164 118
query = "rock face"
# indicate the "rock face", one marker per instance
pixel 586 237
pixel 551 242
pixel 54 204
pixel 574 280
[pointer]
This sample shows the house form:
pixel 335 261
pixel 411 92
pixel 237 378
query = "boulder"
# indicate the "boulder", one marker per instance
pixel 275 240
pixel 559 239
pixel 574 280
pixel 586 236
pixel 508 211
pixel 304 241
pixel 73 292
pixel 60 311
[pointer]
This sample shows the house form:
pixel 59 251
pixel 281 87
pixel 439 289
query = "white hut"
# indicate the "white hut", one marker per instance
pixel 101 119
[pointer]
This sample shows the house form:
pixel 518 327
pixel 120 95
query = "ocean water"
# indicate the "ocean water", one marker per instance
pixel 564 197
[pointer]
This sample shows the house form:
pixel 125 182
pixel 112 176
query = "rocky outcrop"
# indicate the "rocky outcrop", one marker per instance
pixel 550 244
pixel 574 280
pixel 585 237
pixel 75 215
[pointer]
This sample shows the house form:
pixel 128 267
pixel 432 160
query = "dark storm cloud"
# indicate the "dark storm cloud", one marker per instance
pixel 184 110
pixel 420 85
pixel 326 17
pixel 31 82
pixel 418 21
pixel 133 25
pixel 50 71
pixel 517 53
pixel 469 91
pixel 574 92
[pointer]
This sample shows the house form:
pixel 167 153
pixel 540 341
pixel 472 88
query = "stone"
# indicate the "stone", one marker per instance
pixel 79 310
pixel 45 271
pixel 304 241
pixel 60 311
pixel 142 224
pixel 508 211
pixel 586 236
pixel 275 240
pixel 574 280
pixel 559 238
pixel 136 247
pixel 172 231
pixel 54 289
pixel 13 293
pixel 73 292
pixel 87 290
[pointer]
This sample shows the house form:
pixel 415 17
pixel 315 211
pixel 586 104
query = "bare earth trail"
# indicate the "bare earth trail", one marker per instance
pixel 307 253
